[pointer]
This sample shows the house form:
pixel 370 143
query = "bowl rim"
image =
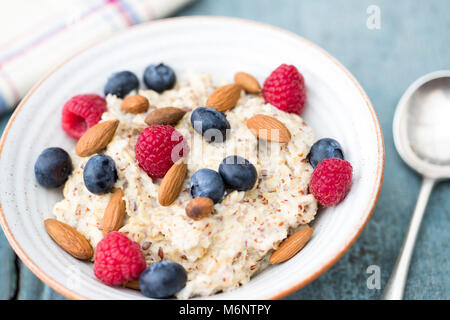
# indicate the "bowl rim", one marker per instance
pixel 71 294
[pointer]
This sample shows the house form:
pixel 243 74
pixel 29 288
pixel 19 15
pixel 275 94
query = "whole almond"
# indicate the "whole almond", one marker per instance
pixel 247 82
pixel 69 239
pixel 171 184
pixel 114 212
pixel 268 128
pixel 167 116
pixel 133 284
pixel 135 104
pixel 293 244
pixel 96 138
pixel 225 97
pixel 199 208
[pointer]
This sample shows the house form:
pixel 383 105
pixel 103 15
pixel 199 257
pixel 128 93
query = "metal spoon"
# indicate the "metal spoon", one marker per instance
pixel 422 138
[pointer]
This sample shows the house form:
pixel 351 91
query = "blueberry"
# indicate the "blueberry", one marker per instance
pixel 324 149
pixel 159 77
pixel 207 183
pixel 121 83
pixel 52 167
pixel 238 173
pixel 210 123
pixel 100 174
pixel 162 279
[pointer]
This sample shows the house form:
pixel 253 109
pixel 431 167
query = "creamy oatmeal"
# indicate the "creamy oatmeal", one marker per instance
pixel 224 250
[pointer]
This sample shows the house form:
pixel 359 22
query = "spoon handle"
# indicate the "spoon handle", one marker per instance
pixel 396 284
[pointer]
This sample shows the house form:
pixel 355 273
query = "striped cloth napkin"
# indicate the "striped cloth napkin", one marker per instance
pixel 38 35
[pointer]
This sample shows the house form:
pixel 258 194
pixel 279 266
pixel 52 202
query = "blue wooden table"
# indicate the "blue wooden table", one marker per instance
pixel 413 39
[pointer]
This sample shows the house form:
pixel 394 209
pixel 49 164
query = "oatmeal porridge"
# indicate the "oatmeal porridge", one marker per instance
pixel 223 250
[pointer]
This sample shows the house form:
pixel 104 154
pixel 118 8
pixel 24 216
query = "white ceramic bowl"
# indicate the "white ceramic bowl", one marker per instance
pixel 337 107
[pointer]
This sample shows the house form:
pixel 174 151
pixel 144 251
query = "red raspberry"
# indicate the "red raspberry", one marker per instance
pixel 331 181
pixel 285 89
pixel 154 149
pixel 82 112
pixel 118 259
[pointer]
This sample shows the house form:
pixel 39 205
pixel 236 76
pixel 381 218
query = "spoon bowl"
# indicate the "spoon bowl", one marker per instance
pixel 422 125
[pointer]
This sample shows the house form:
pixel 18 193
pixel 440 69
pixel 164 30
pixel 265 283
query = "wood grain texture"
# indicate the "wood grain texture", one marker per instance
pixel 8 275
pixel 385 62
